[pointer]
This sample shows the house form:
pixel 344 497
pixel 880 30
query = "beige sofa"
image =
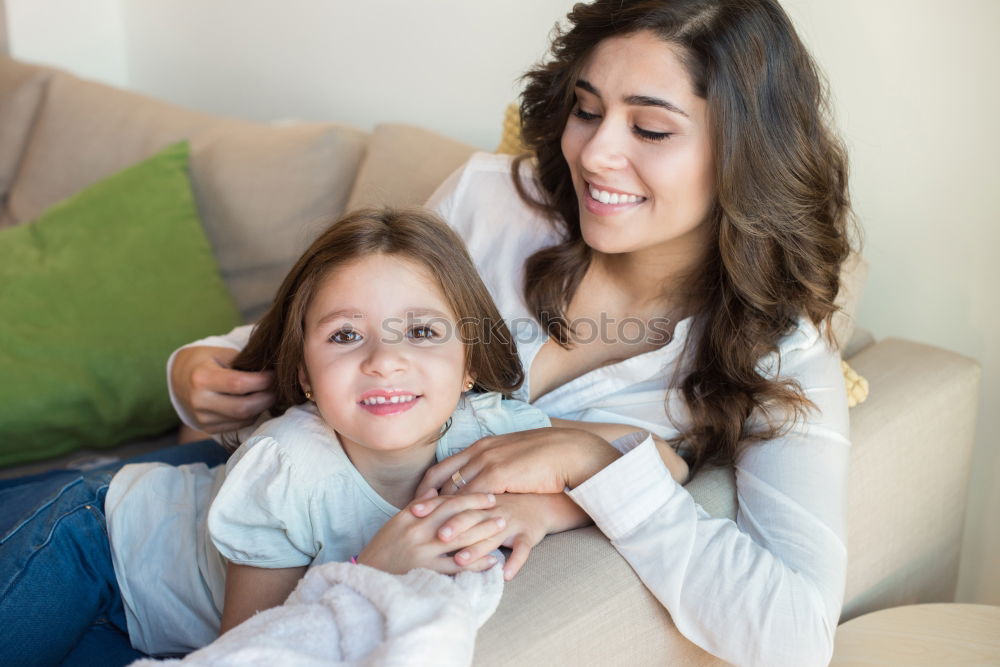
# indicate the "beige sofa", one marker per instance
pixel 261 191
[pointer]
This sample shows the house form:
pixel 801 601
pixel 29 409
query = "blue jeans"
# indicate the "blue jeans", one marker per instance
pixel 59 598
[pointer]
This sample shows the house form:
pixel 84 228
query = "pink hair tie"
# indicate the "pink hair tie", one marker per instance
pixel 354 559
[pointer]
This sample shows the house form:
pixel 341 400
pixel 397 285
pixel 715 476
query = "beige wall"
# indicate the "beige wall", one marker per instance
pixel 914 91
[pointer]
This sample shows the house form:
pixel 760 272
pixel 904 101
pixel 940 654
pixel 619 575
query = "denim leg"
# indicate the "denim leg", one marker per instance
pixel 57 579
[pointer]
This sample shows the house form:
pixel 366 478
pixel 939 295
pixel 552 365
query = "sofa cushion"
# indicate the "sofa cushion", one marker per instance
pixel 405 165
pixel 263 191
pixel 94 296
pixel 22 88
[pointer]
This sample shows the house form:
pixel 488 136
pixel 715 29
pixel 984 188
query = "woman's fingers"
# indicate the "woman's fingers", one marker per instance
pixel 439 475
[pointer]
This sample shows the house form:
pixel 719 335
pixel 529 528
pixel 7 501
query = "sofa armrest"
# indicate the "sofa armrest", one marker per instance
pixel 912 444
pixel 578 602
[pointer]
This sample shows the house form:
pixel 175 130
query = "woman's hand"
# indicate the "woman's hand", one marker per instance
pixel 543 460
pixel 528 518
pixel 410 539
pixel 217 397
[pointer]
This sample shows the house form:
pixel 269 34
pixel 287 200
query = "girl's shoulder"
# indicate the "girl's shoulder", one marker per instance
pixel 489 413
pixel 299 441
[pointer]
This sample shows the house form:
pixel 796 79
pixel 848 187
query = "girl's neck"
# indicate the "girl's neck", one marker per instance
pixel 394 475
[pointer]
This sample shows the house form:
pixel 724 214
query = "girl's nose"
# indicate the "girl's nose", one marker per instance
pixel 385 358
pixel 605 148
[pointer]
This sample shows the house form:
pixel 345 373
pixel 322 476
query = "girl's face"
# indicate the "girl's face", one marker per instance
pixel 638 149
pixel 382 357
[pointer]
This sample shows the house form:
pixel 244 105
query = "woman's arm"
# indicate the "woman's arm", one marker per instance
pixel 207 394
pixel 677 466
pixel 252 589
pixel 767 588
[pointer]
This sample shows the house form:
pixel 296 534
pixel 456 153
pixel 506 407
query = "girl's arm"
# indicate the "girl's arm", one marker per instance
pixel 252 589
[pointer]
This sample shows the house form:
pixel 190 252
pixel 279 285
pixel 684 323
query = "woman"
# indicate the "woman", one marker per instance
pixel 686 182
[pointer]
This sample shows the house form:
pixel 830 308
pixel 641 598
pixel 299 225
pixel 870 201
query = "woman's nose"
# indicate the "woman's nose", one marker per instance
pixel 604 149
pixel 385 357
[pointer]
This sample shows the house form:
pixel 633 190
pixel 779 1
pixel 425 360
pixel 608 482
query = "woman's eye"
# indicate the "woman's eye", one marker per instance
pixel 651 136
pixel 345 336
pixel 422 331
pixel 584 115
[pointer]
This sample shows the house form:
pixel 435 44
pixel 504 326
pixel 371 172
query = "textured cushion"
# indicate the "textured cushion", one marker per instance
pixel 263 191
pixel 21 90
pixel 94 296
pixel 404 166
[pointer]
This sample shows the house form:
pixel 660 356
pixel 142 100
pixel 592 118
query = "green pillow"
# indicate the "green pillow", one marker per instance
pixel 94 296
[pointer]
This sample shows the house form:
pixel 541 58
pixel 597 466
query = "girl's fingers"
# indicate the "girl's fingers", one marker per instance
pixel 448 506
pixel 485 529
pixel 460 523
pixel 483 564
pixel 518 557
pixel 477 551
pixel 425 505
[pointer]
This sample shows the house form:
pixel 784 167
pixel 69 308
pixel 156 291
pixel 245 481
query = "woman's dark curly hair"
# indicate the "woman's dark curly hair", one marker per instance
pixel 780 217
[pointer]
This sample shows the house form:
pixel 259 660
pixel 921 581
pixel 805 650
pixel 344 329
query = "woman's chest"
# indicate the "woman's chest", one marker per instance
pixel 597 340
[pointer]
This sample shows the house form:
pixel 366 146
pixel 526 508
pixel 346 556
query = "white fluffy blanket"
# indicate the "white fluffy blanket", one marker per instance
pixel 344 614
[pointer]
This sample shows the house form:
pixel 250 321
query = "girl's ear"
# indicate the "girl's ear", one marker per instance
pixel 304 381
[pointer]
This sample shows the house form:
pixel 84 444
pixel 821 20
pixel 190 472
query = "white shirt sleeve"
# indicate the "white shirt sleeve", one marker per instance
pixel 235 340
pixel 766 589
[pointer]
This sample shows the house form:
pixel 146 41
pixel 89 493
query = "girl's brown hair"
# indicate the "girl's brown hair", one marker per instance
pixel 780 218
pixel 276 343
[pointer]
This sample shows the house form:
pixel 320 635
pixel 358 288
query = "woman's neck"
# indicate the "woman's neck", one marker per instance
pixel 652 281
pixel 394 474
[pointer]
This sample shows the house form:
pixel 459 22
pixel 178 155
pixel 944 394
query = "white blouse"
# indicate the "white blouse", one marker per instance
pixel 764 590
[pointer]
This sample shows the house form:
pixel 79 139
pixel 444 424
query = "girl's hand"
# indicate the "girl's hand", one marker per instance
pixel 407 542
pixel 529 518
pixel 543 460
pixel 217 397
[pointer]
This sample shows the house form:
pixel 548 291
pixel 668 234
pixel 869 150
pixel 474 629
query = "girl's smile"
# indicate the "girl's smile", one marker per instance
pixel 382 359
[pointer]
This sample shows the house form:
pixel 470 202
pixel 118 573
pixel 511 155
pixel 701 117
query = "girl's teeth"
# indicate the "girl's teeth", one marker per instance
pixel 378 400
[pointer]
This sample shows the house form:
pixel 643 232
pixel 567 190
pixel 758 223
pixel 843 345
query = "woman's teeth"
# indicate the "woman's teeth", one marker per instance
pixel 376 400
pixel 613 197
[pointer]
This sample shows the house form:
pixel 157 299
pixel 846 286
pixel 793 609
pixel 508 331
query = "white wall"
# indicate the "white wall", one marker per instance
pixel 914 88
pixel 87 38
pixel 449 65
pixel 916 98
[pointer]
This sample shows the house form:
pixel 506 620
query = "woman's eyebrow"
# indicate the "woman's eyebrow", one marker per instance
pixel 636 100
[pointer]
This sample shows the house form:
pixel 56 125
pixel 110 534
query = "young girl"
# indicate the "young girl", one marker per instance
pixel 376 339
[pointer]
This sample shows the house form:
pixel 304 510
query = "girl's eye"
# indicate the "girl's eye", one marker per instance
pixel 345 336
pixel 651 136
pixel 422 331
pixel 583 115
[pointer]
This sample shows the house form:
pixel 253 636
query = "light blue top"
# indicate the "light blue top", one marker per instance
pixel 289 496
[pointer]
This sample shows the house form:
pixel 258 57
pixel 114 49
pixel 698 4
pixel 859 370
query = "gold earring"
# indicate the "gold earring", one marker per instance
pixel 309 396
pixel 470 384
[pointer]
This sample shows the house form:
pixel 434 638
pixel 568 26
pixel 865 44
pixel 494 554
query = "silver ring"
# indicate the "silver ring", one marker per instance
pixel 458 480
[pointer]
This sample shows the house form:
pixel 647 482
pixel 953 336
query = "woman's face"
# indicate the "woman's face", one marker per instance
pixel 638 148
pixel 381 355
